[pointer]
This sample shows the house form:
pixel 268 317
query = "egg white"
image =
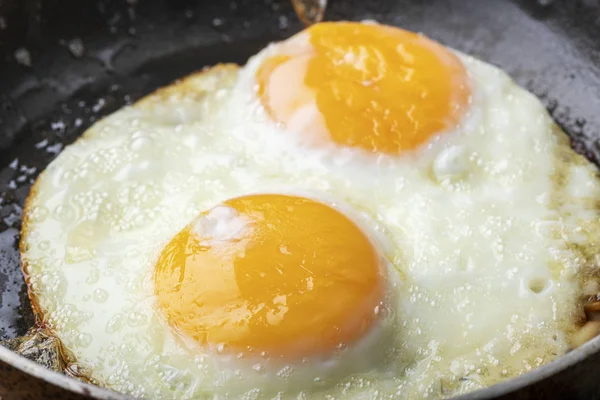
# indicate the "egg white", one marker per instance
pixel 114 204
pixel 488 230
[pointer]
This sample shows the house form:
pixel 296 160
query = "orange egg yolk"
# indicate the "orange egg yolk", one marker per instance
pixel 375 87
pixel 270 273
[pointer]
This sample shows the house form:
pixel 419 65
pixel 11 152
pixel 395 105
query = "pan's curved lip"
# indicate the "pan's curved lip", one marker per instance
pixel 39 371
pixel 545 371
pixel 503 388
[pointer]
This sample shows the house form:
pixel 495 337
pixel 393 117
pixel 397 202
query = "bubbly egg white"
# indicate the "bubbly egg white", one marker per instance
pixel 488 231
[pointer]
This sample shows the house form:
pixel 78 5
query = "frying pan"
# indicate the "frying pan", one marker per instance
pixel 66 63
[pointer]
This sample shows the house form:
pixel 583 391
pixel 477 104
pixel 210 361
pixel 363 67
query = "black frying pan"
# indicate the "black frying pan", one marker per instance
pixel 66 63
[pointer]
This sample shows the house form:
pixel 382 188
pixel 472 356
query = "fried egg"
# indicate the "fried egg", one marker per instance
pixel 358 212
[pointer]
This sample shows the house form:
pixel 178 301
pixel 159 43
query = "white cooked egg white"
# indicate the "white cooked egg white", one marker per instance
pixel 485 235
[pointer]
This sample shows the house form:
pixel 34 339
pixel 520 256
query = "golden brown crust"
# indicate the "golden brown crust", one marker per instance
pixel 195 85
pixel 37 312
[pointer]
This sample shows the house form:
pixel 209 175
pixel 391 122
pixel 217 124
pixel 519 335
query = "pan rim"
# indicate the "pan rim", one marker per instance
pixel 561 363
pixel 538 374
pixel 38 371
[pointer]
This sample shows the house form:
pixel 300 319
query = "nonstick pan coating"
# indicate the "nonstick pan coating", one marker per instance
pixel 66 63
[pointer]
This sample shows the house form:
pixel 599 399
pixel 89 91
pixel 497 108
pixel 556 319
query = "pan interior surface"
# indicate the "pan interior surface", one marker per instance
pixel 66 64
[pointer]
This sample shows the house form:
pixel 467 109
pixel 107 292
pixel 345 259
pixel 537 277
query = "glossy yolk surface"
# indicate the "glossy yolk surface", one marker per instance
pixel 375 87
pixel 275 273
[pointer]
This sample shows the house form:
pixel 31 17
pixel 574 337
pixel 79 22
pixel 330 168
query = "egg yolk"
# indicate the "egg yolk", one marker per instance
pixel 270 273
pixel 375 87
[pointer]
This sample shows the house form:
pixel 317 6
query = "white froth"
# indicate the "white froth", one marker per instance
pixel 221 224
